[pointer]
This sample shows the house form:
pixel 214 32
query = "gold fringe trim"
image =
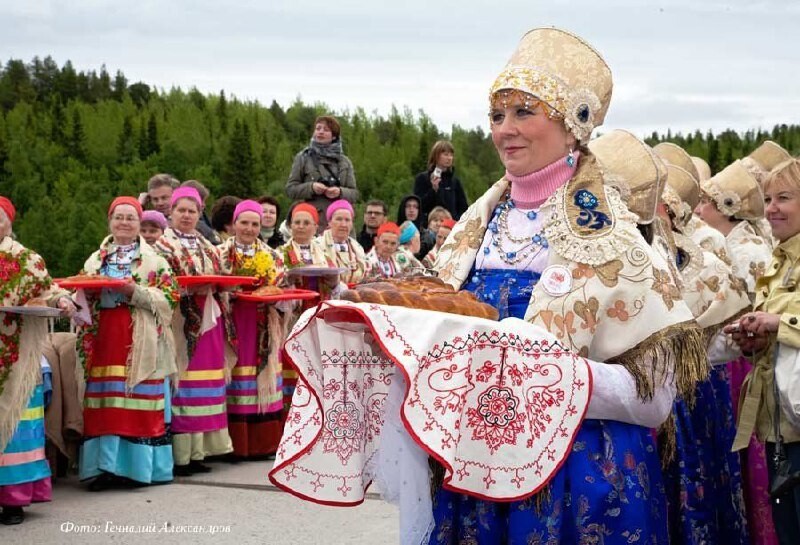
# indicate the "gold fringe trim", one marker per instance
pixel 680 345
pixel 667 440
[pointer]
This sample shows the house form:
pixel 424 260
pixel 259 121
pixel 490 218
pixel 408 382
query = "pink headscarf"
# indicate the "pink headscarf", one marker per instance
pixel 341 204
pixel 186 193
pixel 248 206
pixel 126 200
pixel 154 216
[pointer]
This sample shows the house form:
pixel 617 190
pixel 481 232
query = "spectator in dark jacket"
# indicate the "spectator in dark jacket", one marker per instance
pixel 410 210
pixel 269 222
pixel 374 216
pixel 438 185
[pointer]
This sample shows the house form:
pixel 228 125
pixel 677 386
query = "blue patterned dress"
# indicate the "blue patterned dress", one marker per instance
pixel 609 490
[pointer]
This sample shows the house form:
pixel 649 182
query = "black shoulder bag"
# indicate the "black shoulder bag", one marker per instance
pixel 784 480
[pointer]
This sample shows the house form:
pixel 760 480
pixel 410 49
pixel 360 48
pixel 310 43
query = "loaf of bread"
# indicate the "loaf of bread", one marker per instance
pixel 424 293
pixel 268 290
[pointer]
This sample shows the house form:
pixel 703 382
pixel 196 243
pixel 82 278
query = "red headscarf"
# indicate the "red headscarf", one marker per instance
pixel 125 200
pixel 305 207
pixel 449 224
pixel 388 227
pixel 8 207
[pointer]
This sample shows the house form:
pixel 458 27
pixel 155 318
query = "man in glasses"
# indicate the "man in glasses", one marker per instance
pixel 374 217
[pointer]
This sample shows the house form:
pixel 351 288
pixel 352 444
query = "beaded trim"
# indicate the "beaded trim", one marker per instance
pixel 577 106
pixel 609 244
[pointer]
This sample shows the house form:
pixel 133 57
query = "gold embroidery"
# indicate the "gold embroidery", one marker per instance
pixel 662 284
pixel 608 273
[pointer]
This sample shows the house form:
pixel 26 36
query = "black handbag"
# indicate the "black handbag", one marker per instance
pixel 784 480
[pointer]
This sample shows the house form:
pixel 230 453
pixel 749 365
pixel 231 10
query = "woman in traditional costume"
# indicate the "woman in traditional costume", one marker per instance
pixel 387 259
pixel 24 472
pixel 733 204
pixel 340 247
pixel 127 351
pixel 255 393
pixel 552 243
pixel 703 478
pixel 202 331
pixel 774 324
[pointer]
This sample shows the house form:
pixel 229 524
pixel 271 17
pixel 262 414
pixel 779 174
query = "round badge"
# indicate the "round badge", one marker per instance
pixel 556 280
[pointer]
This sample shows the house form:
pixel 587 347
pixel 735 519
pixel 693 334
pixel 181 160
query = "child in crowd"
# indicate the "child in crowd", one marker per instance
pixel 152 226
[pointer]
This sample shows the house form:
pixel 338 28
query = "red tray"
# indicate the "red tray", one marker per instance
pixel 219 280
pixel 91 283
pixel 287 295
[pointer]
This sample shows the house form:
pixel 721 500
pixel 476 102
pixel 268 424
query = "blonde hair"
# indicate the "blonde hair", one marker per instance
pixel 786 173
pixel 439 212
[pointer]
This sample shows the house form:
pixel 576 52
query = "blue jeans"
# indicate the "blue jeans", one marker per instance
pixel 786 509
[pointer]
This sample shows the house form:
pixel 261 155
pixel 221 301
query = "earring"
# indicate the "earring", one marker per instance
pixel 571 158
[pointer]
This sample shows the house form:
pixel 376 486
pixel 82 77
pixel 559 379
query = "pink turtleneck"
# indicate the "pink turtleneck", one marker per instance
pixel 531 190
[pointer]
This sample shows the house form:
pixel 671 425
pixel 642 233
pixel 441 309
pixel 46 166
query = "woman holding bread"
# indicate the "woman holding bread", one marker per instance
pixel 127 351
pixel 551 242
pixel 255 395
pixel 203 332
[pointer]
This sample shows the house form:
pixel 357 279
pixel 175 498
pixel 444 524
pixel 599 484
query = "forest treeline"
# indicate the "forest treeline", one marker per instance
pixel 71 140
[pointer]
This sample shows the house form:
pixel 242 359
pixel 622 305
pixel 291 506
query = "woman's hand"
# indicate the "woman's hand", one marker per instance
pixel 318 188
pixel 760 323
pixel 128 288
pixel 67 306
pixel 333 192
pixel 435 182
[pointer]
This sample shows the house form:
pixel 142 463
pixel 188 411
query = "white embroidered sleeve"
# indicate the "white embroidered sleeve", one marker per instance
pixel 722 350
pixel 614 397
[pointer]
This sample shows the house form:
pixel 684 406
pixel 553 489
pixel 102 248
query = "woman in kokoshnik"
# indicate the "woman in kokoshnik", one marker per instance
pixel 127 353
pixel 24 471
pixel 255 393
pixel 203 335
pixel 702 477
pixel 554 244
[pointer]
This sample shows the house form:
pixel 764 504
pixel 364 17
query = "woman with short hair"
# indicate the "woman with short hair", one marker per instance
pixel 322 173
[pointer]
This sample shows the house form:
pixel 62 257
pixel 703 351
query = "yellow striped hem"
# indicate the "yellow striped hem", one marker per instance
pixel 208 410
pixel 213 374
pixel 242 400
pixel 124 403
pixel 244 371
pixel 34 413
pixel 108 371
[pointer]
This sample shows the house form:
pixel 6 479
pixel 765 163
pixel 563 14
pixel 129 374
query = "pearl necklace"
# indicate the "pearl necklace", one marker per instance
pixel 500 231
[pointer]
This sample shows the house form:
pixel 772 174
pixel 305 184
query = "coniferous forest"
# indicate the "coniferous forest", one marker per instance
pixel 71 140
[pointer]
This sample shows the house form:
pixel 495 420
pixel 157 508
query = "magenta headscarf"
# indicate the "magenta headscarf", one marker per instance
pixel 341 204
pixel 248 206
pixel 186 193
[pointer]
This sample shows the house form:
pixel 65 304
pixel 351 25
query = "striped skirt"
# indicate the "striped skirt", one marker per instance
pixel 24 472
pixel 253 432
pixel 198 404
pixel 125 431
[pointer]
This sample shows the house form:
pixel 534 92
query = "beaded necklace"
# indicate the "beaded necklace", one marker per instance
pixel 500 233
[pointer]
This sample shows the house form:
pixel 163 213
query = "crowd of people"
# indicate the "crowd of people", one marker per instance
pixel 677 286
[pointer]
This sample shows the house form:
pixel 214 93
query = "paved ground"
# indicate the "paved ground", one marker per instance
pixel 232 504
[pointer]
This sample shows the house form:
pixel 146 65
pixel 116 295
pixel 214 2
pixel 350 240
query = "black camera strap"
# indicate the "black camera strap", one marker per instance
pixel 318 166
pixel 778 457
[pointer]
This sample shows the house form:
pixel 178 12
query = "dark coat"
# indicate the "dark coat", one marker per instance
pixel 450 194
pixel 427 238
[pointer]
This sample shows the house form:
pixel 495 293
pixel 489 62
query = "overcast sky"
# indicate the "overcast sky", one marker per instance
pixel 679 64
